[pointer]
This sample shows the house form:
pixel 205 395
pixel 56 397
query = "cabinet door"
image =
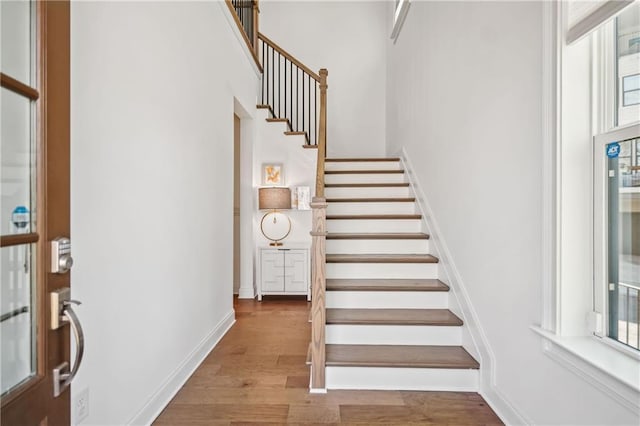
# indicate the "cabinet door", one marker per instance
pixel 272 265
pixel 296 271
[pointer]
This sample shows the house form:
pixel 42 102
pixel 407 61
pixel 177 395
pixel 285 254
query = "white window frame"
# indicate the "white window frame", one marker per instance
pixel 566 329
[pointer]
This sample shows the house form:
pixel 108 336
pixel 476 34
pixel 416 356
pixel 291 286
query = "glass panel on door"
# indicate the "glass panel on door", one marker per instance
pixel 17 35
pixel 17 326
pixel 18 176
pixel 18 161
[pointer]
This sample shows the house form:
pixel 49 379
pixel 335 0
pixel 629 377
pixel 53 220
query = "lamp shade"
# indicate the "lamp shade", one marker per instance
pixel 274 198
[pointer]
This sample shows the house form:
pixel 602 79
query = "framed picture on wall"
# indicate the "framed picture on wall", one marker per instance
pixel 399 14
pixel 272 174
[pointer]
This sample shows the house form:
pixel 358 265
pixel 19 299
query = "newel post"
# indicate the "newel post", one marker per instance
pixel 322 133
pixel 318 289
pixel 256 27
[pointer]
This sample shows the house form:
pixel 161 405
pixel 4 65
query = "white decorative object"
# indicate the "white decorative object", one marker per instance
pixel 301 198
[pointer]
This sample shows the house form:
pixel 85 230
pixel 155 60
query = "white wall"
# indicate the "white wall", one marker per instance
pixel 152 194
pixel 346 38
pixel 464 95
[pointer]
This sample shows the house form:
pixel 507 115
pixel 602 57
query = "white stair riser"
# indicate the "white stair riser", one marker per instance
pixel 368 192
pixel 382 270
pixel 419 379
pixel 365 178
pixel 387 299
pixel 377 246
pixel 372 207
pixel 345 334
pixel 374 225
pixel 362 165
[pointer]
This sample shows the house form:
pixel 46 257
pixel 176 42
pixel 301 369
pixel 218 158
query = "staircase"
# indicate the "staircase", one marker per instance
pixel 380 316
pixel 387 323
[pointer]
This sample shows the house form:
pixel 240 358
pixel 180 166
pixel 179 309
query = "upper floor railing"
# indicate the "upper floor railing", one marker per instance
pixel 246 14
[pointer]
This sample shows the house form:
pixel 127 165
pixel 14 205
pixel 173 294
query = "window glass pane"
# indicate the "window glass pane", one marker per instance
pixel 17 316
pixel 17 160
pixel 16 31
pixel 628 64
pixel 623 207
pixel 631 98
pixel 631 82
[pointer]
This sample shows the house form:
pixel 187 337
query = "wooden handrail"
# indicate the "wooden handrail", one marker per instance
pixel 251 43
pixel 318 291
pixel 322 134
pixel 289 56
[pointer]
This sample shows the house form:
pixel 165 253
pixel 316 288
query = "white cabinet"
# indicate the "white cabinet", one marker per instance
pixel 284 270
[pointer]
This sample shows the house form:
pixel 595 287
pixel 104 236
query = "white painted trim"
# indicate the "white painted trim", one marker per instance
pixel 236 31
pixel 613 372
pixel 596 18
pixel 247 199
pixel 450 275
pixel 174 382
pixel 551 66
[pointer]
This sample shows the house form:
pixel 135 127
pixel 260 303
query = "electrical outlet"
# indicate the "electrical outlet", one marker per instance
pixel 81 405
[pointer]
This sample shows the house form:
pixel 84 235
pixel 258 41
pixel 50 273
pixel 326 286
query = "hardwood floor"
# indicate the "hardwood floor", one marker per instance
pixel 257 374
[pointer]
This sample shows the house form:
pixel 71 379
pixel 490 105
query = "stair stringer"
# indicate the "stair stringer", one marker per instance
pixel 474 339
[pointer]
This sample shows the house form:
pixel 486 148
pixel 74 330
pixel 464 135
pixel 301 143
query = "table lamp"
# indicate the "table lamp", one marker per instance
pixel 275 226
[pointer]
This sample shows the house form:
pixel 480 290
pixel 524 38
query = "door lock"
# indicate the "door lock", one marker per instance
pixel 61 260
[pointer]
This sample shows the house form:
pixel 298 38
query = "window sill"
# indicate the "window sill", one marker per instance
pixel 600 364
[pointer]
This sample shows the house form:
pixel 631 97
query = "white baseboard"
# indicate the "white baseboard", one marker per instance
pixel 159 400
pixel 450 275
pixel 246 293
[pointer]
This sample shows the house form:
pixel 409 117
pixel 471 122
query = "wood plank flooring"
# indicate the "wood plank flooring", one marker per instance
pixel 257 375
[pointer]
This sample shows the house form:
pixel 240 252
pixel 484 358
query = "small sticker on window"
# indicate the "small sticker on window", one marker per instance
pixel 613 150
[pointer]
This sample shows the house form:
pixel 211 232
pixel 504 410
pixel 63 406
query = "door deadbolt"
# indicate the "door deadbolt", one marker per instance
pixel 61 260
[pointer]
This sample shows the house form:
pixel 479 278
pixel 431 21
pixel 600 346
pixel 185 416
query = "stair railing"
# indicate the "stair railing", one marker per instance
pixel 297 95
pixel 290 89
pixel 246 14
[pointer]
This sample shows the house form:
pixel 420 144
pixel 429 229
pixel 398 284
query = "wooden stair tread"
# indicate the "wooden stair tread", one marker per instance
pixel 307 146
pixel 381 258
pixel 437 317
pixel 401 356
pixel 351 284
pixel 361 172
pixel 373 216
pixel 295 133
pixel 378 236
pixel 346 160
pixel 277 120
pixel 372 200
pixel 366 185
